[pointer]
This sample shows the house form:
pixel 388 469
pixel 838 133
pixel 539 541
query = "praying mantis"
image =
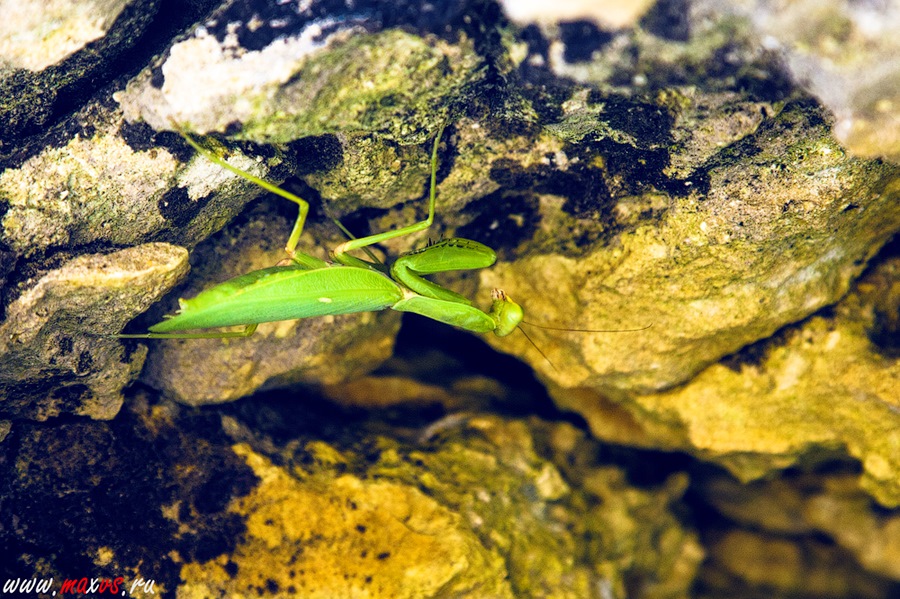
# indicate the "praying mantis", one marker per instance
pixel 308 287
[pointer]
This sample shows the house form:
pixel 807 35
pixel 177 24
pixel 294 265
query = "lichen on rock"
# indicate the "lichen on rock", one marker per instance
pixel 763 234
pixel 328 77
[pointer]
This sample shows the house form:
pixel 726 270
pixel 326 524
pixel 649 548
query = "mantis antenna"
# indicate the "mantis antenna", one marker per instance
pixel 549 328
pixel 539 350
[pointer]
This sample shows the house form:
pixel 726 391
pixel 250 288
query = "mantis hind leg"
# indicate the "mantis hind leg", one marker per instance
pixel 340 252
pixel 245 332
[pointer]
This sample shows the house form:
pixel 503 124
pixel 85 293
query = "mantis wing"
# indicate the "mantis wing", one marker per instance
pixel 284 293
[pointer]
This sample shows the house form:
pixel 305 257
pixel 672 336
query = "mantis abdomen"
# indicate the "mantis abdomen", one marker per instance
pixel 284 293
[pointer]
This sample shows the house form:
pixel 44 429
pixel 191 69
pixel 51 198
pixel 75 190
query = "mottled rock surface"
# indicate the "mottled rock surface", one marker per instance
pixel 55 355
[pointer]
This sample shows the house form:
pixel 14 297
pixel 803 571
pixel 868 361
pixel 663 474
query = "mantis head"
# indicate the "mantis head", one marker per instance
pixel 506 313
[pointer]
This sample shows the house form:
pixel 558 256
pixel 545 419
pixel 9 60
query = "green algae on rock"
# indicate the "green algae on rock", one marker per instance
pixel 373 173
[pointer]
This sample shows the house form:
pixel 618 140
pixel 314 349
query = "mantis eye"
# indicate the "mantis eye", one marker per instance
pixel 507 313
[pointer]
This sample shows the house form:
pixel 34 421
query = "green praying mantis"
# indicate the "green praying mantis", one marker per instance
pixel 308 286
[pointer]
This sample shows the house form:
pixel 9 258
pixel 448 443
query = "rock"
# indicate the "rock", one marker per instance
pixel 53 54
pixel 298 73
pixel 722 172
pixel 111 184
pixel 846 56
pixel 819 386
pixel 384 532
pixel 807 504
pixel 231 504
pixel 761 235
pixel 787 567
pixel 57 350
pixel 97 192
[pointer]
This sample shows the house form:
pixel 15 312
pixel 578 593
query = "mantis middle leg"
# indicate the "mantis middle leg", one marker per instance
pixel 340 252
